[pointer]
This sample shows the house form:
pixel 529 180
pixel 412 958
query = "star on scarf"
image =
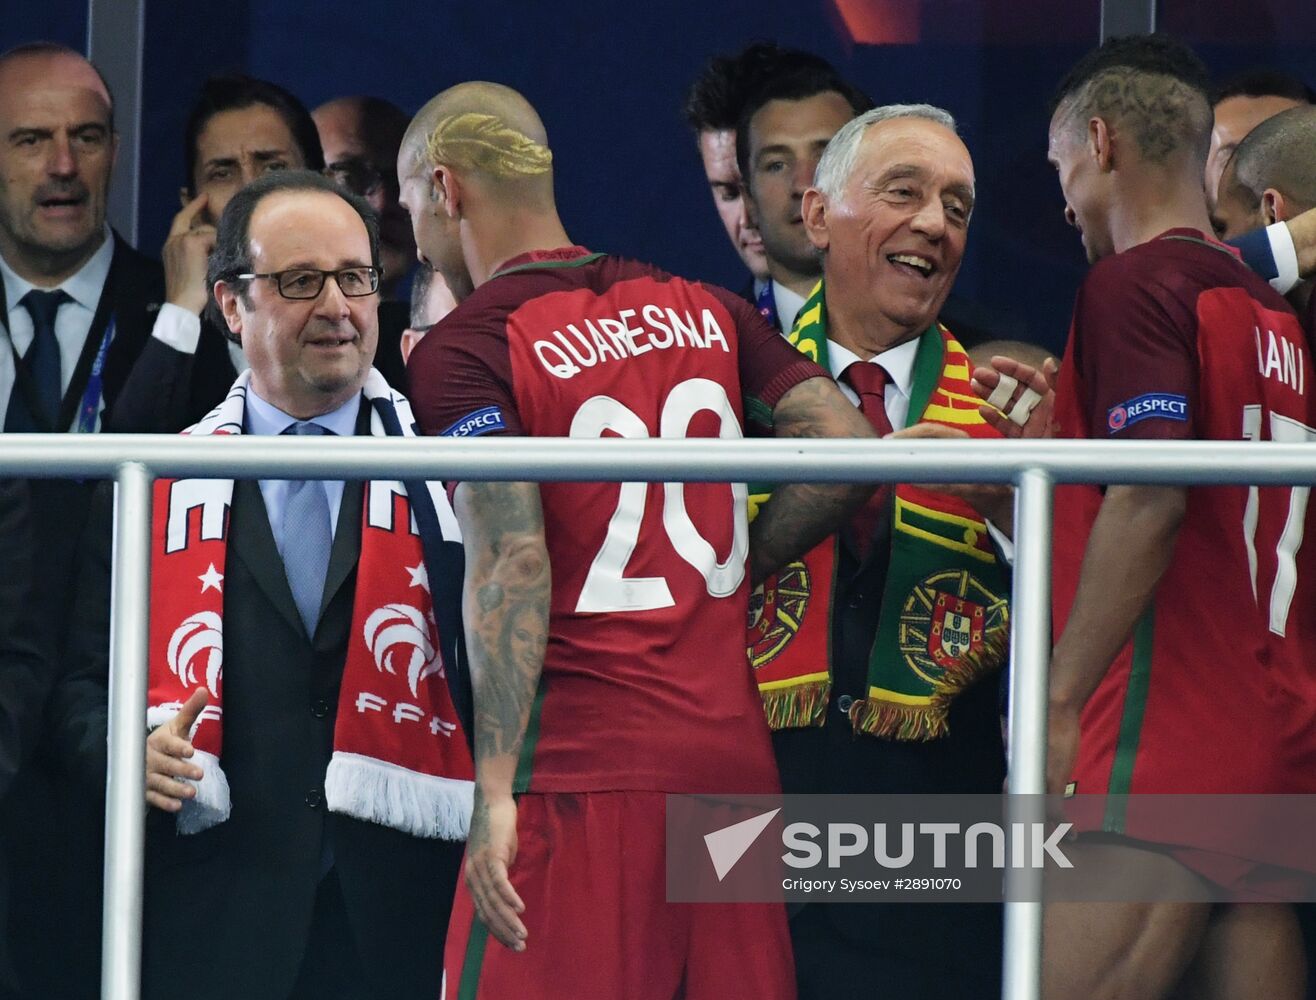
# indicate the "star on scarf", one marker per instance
pixel 419 576
pixel 212 578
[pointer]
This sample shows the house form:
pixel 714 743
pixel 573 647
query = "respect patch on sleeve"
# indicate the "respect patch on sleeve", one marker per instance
pixel 485 421
pixel 1165 405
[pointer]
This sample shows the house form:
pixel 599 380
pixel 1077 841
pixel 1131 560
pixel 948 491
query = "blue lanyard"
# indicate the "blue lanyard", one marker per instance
pixel 767 306
pixel 91 396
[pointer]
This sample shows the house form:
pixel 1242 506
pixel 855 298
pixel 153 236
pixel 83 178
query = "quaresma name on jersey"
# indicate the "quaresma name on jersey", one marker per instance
pixel 646 684
pixel 1175 339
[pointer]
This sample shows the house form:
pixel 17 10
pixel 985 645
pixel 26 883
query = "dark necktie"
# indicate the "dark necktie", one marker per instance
pixel 869 382
pixel 307 537
pixel 42 365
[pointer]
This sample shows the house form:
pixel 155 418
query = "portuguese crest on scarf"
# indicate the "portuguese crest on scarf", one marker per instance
pixel 944 615
pixel 400 757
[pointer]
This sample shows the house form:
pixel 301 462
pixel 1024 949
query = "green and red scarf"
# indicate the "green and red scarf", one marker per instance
pixel 944 618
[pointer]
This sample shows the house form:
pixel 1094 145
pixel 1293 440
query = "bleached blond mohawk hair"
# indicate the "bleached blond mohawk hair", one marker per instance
pixel 487 144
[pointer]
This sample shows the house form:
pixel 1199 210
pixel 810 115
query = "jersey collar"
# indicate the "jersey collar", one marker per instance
pixel 574 256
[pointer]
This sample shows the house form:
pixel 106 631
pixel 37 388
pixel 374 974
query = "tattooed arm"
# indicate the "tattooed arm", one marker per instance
pixel 505 609
pixel 800 515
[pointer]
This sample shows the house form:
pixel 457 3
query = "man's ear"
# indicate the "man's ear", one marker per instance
pixel 1101 143
pixel 226 298
pixel 814 211
pixel 446 189
pixel 1274 207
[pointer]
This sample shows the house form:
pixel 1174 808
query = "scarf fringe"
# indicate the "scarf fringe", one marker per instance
pixel 893 720
pixel 796 706
pixel 376 791
pixel 212 804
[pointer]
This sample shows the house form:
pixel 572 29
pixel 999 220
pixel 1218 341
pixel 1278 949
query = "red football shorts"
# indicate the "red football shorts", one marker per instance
pixel 591 870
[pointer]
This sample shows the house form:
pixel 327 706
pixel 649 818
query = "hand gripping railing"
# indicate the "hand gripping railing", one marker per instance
pixel 135 460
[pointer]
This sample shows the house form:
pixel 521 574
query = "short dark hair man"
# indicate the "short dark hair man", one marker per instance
pixel 1167 343
pixel 782 131
pixel 361 136
pixel 239 129
pixel 320 849
pixel 1240 104
pixel 76 307
pixel 712 109
pixel 1270 178
pixel 430 302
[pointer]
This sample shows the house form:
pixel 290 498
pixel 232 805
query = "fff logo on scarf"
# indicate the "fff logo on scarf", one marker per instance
pixel 401 640
pixel 198 634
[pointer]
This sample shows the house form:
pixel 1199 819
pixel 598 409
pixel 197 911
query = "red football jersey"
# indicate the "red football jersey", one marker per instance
pixel 1176 339
pixel 646 683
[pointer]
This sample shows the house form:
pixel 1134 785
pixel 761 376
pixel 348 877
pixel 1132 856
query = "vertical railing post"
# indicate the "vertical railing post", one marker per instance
pixel 125 816
pixel 1030 660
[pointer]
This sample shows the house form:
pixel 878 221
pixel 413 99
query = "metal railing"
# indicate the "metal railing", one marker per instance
pixel 1033 466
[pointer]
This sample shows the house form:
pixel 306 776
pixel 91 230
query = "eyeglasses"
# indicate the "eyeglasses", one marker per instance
pixel 357 175
pixel 306 282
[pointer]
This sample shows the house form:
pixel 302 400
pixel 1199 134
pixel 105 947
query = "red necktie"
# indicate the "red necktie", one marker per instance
pixel 869 381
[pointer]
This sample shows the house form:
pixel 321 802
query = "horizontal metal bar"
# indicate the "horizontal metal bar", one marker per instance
pixel 703 460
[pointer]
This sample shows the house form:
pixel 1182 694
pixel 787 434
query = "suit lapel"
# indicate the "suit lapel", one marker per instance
pixel 134 291
pixel 252 541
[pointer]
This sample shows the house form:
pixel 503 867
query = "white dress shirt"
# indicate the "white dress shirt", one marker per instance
pixel 788 305
pixel 181 330
pixel 899 364
pixel 72 322
pixel 265 418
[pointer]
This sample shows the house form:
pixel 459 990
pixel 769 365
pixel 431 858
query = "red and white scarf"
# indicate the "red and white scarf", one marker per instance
pixel 400 757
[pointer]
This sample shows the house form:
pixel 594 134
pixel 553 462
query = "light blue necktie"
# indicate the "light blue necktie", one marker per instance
pixel 307 537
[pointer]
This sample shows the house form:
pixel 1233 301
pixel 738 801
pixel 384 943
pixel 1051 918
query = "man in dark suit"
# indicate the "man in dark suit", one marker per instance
pixel 25 673
pixel 291 896
pixel 76 305
pixel 239 128
pixel 890 211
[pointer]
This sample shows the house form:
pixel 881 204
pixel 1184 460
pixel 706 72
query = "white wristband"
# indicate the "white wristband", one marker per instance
pixel 1286 257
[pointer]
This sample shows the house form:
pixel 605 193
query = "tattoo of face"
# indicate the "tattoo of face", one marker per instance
pixel 508 588
pixel 490 596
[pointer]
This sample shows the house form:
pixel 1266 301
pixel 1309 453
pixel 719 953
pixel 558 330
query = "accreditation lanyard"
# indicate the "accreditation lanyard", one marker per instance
pixel 767 305
pixel 91 395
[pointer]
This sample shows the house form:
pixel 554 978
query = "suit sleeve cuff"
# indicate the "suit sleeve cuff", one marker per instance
pixel 177 328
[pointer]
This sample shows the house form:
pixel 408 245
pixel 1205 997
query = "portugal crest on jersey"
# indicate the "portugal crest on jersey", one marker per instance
pixel 776 612
pixel 945 621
